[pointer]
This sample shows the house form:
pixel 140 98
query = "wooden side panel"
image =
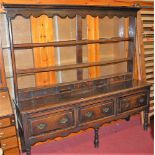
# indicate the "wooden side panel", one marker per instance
pixel 93 49
pixel 42 31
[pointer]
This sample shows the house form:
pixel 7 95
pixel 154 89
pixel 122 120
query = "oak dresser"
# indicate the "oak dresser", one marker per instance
pixel 60 109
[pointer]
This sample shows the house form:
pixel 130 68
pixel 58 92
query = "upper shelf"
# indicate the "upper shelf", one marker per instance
pixel 72 42
pixel 69 10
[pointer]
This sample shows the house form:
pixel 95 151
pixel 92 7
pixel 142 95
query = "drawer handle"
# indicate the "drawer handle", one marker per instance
pixel 106 109
pixel 41 126
pixel 64 120
pixel 127 105
pixel 1 124
pixel 89 114
pixel 141 100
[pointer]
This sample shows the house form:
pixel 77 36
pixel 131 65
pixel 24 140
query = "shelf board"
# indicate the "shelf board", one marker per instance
pixel 148 25
pixel 148 18
pixel 148 32
pixel 71 43
pixel 149 52
pixel 148 39
pixel 148 46
pixel 69 67
pixel 150 70
pixel 147 12
pixel 149 59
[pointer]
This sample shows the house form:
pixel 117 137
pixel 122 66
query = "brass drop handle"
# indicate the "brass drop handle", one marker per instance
pixel 1 123
pixel 126 102
pixel 89 114
pixel 127 105
pixel 41 126
pixel 141 100
pixel 64 120
pixel 106 109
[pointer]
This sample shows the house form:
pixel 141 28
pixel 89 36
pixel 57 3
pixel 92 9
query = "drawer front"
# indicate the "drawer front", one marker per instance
pixel 7 132
pixel 13 151
pixel 52 122
pixel 5 122
pixel 9 143
pixel 96 111
pixel 132 101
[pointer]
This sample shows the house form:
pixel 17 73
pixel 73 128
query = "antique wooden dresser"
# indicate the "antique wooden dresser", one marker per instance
pixel 8 135
pixel 47 112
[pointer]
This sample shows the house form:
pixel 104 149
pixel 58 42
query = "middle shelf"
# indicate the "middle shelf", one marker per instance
pixel 70 66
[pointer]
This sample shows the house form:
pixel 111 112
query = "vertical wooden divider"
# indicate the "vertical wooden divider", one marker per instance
pixel 132 48
pixel 93 49
pixel 42 31
pixel 79 47
pixel 126 24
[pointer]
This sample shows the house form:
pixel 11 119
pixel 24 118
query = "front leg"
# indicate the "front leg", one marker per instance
pixel 146 111
pixel 127 118
pixel 96 138
pixel 28 151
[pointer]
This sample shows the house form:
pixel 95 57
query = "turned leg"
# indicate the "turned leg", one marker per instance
pixel 96 138
pixel 127 118
pixel 28 151
pixel 146 111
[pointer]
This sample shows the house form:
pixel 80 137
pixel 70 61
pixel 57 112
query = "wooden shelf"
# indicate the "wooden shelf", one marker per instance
pixel 147 12
pixel 148 18
pixel 148 25
pixel 148 39
pixel 71 43
pixel 148 46
pixel 69 67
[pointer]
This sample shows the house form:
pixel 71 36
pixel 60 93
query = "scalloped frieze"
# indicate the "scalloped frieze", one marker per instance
pixel 71 12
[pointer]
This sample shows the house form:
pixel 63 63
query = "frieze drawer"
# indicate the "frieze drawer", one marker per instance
pixel 52 122
pixel 132 101
pixel 96 111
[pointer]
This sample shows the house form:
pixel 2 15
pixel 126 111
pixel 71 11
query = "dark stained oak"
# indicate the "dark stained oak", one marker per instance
pixel 83 94
pixel 69 10
pixel 96 138
pixel 79 58
pixel 58 110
